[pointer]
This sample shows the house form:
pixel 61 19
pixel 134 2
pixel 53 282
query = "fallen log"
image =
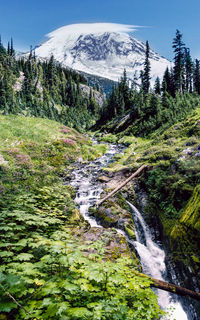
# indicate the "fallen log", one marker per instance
pixel 121 185
pixel 174 289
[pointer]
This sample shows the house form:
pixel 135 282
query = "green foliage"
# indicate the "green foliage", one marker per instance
pixel 72 286
pixel 44 89
pixel 179 61
pixel 46 272
pixel 141 112
pixel 145 75
pixel 190 216
pixel 110 138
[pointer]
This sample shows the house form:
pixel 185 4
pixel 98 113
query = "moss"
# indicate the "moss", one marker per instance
pixel 110 138
pixel 91 152
pixel 191 214
pixel 129 228
pixel 185 235
pixel 128 140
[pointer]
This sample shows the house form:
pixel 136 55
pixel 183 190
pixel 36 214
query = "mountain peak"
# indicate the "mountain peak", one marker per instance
pixel 102 49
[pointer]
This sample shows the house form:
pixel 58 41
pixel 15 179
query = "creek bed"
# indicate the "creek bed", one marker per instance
pixel 152 257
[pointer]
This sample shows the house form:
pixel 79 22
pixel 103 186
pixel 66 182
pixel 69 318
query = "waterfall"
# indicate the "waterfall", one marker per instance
pixel 152 258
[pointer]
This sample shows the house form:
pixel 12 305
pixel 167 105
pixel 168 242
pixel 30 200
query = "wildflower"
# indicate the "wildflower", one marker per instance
pixel 68 141
pixel 65 130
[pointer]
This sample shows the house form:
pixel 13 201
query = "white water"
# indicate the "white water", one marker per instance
pixel 152 259
pixel 88 188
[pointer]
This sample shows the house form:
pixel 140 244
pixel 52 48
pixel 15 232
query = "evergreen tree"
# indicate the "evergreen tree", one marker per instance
pixel 188 70
pixel 157 88
pixel 168 82
pixel 2 50
pixel 8 49
pixel 197 76
pixel 12 51
pixel 145 75
pixel 179 60
pixel 123 90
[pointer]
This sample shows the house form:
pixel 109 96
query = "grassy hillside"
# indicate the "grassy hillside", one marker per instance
pixel 48 268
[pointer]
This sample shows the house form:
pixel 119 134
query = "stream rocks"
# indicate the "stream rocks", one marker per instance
pixel 114 244
pixel 99 225
pixel 112 215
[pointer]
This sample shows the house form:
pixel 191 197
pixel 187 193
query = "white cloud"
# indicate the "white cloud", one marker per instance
pixel 85 28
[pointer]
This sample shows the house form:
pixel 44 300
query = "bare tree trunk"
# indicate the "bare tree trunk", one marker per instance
pixel 121 185
pixel 174 289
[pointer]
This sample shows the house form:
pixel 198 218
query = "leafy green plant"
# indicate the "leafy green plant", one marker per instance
pixel 46 271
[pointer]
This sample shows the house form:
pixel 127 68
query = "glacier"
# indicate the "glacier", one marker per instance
pixel 101 49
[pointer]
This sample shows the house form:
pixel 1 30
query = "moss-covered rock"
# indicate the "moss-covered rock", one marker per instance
pixel 191 214
pixel 129 228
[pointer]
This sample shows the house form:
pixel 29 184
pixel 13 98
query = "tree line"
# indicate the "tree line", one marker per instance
pixel 171 99
pixel 39 88
pixel 45 89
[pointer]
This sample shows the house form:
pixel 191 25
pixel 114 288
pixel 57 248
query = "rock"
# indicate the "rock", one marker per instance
pixel 98 96
pixel 187 151
pixel 115 244
pixel 104 179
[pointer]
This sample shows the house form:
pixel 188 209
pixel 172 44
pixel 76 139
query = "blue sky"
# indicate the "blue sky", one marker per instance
pixel 29 21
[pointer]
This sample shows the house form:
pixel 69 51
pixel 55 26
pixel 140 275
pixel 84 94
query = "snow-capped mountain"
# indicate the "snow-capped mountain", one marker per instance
pixel 102 49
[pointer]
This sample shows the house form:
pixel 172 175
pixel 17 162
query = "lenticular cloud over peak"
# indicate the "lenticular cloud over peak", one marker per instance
pixel 86 28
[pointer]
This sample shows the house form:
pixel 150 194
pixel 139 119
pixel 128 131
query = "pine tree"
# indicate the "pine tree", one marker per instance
pixel 157 88
pixel 8 49
pixel 197 76
pixel 124 91
pixel 179 60
pixel 145 75
pixel 12 51
pixel 168 82
pixel 188 70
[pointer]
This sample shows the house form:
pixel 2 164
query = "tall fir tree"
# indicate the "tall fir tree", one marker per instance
pixel 157 88
pixel 145 75
pixel 196 79
pixel 168 82
pixel 188 70
pixel 179 62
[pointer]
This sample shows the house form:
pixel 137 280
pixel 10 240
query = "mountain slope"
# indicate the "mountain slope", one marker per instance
pixel 102 49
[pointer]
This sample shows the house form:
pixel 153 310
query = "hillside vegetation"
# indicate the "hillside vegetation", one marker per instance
pixel 47 271
pixel 45 89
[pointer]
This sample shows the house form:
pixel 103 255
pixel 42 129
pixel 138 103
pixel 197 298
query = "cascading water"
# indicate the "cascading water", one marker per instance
pixel 152 258
pixel 86 183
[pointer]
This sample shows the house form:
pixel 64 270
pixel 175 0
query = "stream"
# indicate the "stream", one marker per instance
pixel 152 256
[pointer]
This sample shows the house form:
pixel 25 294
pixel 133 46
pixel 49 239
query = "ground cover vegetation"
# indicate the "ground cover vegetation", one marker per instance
pixel 46 271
